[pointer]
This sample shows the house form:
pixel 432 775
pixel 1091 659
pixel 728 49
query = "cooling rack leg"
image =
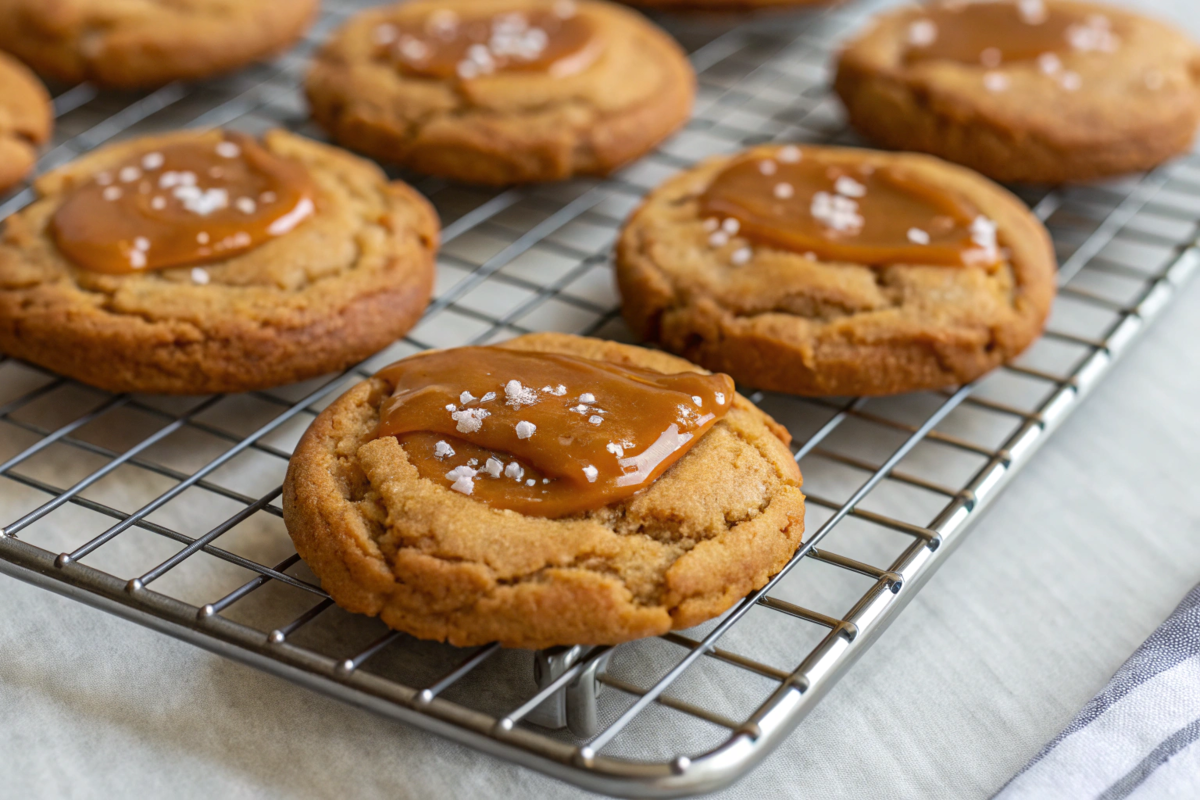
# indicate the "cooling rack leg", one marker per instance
pixel 574 706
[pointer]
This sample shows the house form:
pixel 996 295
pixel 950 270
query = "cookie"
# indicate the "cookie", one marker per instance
pixel 195 262
pixel 139 44
pixel 26 118
pixel 1031 91
pixel 831 271
pixel 498 92
pixel 544 509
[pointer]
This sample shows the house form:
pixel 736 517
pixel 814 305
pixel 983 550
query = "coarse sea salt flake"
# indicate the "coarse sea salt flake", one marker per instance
pixel 848 187
pixel 784 191
pixel 442 450
pixel 591 473
pixel 587 397
pixel 698 400
pixel 469 420
pixel 741 256
pixel 595 419
pixel 493 467
pixel 514 471
pixel 518 395
pixel 465 398
pixel 720 397
pixel 789 154
pixel 525 429
pixel 199 276
pixel 918 236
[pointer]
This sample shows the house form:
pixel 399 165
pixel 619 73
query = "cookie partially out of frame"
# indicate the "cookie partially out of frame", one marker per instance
pixel 510 126
pixel 341 285
pixel 790 322
pixel 442 565
pixel 1122 95
pixel 25 120
pixel 726 5
pixel 137 44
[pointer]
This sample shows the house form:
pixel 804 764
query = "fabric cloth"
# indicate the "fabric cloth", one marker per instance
pixel 1140 737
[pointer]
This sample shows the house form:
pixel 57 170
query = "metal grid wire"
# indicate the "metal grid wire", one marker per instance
pixel 166 510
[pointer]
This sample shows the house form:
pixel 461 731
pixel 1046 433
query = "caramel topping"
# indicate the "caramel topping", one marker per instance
pixel 183 204
pixel 555 40
pixel 994 33
pixel 544 434
pixel 804 202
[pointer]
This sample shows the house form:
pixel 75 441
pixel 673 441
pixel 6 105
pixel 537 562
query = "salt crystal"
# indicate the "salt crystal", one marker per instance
pixel 1049 63
pixel 129 174
pixel 587 397
pixel 918 236
pixel 245 205
pixel 158 203
pixel 202 237
pixel 591 472
pixel 525 429
pixel 152 161
pixel 698 400
pixel 141 243
pixel 493 467
pixel 465 398
pixel 463 479
pixel 137 259
pixel 199 276
pixel 718 239
pixel 228 150
pixel 741 256
pixel 595 419
pixel 1033 12
pixel 789 154
pixel 442 450
pixel 514 471
pixel 731 226
pixel 111 193
pixel 995 81
pixel 518 395
pixel 848 187
pixel 530 482
pixel 922 33
pixel 720 397
pixel 784 191
pixel 487 398
pixel 768 167
pixel 469 420
pixel 615 449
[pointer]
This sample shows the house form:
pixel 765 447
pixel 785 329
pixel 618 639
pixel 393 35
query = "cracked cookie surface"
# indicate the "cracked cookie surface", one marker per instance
pixel 342 285
pixel 793 323
pixel 25 120
pixel 1073 115
pixel 137 43
pixel 440 565
pixel 507 127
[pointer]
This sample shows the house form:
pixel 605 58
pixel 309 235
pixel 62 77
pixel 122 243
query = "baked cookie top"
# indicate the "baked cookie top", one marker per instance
pixel 133 273
pixel 1064 73
pixel 441 562
pixel 25 120
pixel 147 42
pixel 498 91
pixel 832 271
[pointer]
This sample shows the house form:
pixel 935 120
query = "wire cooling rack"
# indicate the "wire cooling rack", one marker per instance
pixel 166 510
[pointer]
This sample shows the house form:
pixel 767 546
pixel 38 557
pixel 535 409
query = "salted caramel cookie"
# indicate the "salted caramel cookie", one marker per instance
pixel 1042 91
pixel 552 490
pixel 148 43
pixel 25 120
pixel 195 262
pixel 501 91
pixel 831 271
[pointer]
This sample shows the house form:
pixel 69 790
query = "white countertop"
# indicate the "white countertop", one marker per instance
pixel 988 662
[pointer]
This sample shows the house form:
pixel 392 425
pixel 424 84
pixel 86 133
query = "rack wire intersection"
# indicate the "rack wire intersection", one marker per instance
pixel 166 510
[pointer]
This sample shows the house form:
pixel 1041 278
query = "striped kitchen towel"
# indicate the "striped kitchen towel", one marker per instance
pixel 1140 737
